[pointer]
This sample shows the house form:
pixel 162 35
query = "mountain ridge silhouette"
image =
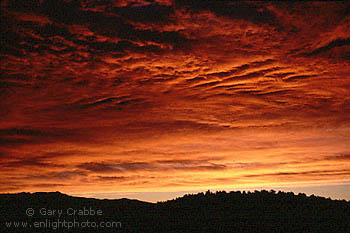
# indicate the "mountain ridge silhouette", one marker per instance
pixel 259 211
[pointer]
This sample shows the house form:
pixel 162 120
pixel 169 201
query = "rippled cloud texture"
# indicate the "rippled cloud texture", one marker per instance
pixel 141 95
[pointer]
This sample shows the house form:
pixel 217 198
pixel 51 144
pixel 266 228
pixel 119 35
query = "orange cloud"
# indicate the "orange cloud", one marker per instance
pixel 171 95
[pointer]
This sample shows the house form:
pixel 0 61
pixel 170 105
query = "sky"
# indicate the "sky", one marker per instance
pixel 156 98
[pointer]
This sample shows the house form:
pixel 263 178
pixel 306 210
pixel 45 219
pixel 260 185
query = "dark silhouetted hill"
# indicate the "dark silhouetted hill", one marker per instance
pixel 204 212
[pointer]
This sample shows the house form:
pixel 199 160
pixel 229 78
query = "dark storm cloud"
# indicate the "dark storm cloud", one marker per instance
pixel 233 9
pixel 242 68
pixel 329 46
pixel 114 167
pixel 280 92
pixel 338 157
pixel 61 175
pixel 298 77
pixel 96 167
pixel 280 75
pixel 59 11
pixel 63 14
pixel 11 186
pixel 146 13
pixel 55 175
pixel 305 175
pixel 209 84
pixel 111 178
pixel 110 167
pixel 248 76
pixel 117 103
pixel 24 6
pixel 29 163
pixel 27 132
pixel 26 135
pixel 12 159
pixel 48 185
pixel 186 161
pixel 104 101
pixel 121 46
pixel 14 141
pixel 159 127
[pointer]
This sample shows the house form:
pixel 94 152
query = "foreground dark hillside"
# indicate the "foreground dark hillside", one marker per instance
pixel 204 212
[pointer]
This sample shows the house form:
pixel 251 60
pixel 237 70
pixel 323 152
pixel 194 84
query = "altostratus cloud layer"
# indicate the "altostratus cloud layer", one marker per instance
pixel 173 95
